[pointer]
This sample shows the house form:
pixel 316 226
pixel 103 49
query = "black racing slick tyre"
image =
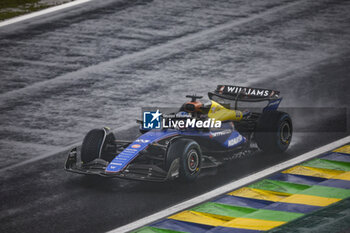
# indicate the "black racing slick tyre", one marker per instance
pixel 274 131
pixel 97 145
pixel 190 155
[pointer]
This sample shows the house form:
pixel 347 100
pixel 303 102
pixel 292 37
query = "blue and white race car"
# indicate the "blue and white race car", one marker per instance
pixel 182 150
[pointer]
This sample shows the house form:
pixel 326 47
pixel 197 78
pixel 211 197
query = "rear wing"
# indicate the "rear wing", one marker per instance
pixel 247 94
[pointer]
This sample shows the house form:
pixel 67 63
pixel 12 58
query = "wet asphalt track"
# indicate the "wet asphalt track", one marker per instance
pixel 100 63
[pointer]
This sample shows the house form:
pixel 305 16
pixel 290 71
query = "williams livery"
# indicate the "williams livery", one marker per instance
pixel 182 150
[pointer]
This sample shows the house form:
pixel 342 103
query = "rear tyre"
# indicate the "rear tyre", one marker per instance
pixel 189 153
pixel 92 143
pixel 274 131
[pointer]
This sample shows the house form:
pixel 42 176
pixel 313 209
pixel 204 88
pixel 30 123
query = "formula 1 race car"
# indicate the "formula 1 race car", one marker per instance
pixel 183 150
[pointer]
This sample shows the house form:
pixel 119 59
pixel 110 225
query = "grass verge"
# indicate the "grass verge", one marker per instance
pixel 13 8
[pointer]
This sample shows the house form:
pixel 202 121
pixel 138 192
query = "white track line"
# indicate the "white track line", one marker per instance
pixel 40 157
pixel 231 186
pixel 42 12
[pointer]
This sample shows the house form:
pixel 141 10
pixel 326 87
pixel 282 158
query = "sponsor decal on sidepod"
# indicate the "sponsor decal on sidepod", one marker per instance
pixel 235 141
pixel 220 133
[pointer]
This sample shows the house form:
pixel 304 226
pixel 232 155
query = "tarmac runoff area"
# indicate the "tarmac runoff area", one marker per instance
pixel 313 196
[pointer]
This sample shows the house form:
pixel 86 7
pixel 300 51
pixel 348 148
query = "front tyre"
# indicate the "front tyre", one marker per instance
pixel 98 143
pixel 274 131
pixel 189 153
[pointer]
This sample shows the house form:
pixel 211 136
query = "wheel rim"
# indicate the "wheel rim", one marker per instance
pixel 193 161
pixel 285 132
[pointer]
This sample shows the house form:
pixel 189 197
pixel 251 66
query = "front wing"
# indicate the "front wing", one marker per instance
pixel 144 172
